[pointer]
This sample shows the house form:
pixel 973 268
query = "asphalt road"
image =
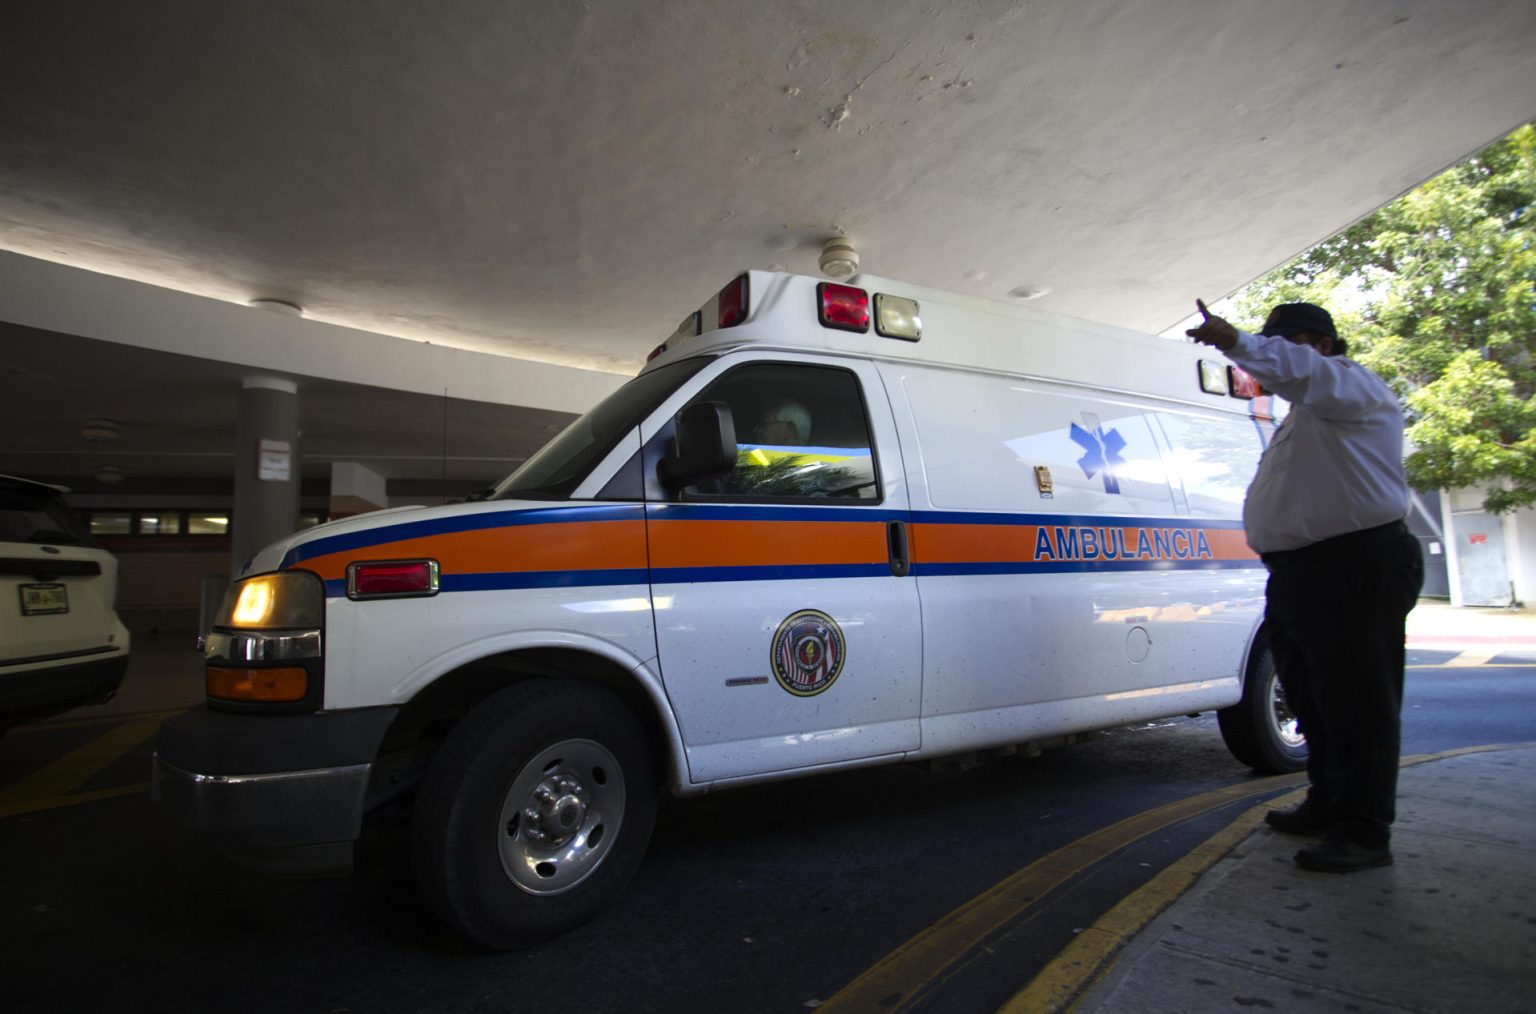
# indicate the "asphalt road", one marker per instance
pixel 775 898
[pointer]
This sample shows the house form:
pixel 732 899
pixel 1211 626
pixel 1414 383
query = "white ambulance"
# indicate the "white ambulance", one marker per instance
pixel 828 525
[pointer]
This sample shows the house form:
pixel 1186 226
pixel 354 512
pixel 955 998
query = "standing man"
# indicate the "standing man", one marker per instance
pixel 1325 513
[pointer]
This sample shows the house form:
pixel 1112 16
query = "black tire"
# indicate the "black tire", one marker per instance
pixel 534 813
pixel 1260 730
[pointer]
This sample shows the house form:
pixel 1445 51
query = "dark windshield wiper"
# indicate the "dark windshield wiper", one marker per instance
pixel 53 537
pixel 533 493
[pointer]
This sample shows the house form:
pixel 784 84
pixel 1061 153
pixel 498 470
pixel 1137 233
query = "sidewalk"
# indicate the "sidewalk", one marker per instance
pixel 1451 926
pixel 1439 625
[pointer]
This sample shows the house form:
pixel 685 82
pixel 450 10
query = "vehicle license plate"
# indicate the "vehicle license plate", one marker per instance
pixel 41 599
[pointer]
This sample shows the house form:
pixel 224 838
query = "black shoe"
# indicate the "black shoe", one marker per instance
pixel 1340 855
pixel 1304 818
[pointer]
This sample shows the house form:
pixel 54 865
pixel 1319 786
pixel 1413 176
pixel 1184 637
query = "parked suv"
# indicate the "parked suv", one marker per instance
pixel 61 643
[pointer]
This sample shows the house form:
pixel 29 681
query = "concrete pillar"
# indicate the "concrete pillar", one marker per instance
pixel 267 471
pixel 355 489
pixel 1520 537
pixel 1452 550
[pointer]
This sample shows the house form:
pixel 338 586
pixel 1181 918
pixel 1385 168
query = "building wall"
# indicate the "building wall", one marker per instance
pixel 1479 577
pixel 161 591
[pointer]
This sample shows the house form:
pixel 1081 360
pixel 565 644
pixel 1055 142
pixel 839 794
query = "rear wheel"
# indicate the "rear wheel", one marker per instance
pixel 1261 729
pixel 535 812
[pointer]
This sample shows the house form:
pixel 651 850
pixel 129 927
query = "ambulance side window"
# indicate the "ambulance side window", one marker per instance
pixel 801 433
pixel 1214 458
pixel 983 437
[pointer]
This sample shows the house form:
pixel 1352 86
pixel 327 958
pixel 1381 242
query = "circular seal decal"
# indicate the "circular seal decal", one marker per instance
pixel 807 652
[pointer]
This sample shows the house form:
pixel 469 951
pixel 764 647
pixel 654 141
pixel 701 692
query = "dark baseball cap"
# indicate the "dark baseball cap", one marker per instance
pixel 1288 319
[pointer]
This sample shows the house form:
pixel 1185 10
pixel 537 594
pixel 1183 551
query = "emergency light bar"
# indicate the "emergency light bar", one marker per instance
pixel 843 307
pixel 1222 378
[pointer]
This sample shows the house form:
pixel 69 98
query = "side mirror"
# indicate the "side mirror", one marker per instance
pixel 705 444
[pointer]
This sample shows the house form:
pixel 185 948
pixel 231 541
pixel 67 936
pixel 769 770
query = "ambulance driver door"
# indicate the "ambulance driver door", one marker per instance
pixel 786 623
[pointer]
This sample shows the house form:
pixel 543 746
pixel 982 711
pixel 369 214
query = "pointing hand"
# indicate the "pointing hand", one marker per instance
pixel 1213 330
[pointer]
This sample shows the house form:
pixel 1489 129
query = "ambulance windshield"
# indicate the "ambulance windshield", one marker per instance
pixel 560 465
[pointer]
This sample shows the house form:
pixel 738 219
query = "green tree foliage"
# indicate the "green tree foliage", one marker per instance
pixel 1436 292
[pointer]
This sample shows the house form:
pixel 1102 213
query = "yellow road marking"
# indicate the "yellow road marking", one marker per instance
pixel 1087 957
pixel 909 969
pixel 1472 658
pixel 33 806
pixel 81 723
pixel 50 786
pixel 901 976
pixel 1091 955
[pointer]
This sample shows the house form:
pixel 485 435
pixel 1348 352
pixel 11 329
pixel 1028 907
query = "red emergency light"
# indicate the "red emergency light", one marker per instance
pixel 733 302
pixel 1242 384
pixel 845 307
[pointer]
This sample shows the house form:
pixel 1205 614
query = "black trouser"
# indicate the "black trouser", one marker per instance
pixel 1334 614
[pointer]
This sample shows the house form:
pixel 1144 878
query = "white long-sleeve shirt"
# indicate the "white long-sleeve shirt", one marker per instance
pixel 1336 464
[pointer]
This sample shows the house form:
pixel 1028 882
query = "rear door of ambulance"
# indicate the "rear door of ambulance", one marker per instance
pixel 787 624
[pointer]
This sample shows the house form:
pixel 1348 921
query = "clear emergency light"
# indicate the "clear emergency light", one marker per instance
pixel 896 317
pixel 1213 377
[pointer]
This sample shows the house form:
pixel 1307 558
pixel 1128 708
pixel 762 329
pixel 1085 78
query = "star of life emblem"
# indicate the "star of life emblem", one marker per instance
pixel 1102 451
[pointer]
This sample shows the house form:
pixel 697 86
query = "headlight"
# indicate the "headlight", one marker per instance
pixel 286 600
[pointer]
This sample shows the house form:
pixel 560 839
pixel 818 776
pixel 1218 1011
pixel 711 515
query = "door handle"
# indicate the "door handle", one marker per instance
pixel 897 548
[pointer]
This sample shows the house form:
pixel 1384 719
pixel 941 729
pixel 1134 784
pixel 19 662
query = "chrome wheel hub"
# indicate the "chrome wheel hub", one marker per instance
pixel 560 816
pixel 559 806
pixel 1285 719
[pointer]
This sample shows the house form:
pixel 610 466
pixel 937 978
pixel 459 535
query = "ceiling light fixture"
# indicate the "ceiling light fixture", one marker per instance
pixel 99 430
pixel 109 475
pixel 838 257
pixel 281 306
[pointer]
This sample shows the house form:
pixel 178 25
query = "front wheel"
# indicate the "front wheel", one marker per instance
pixel 1261 730
pixel 535 812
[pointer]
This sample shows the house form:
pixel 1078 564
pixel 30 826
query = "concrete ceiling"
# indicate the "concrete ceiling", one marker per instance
pixel 563 182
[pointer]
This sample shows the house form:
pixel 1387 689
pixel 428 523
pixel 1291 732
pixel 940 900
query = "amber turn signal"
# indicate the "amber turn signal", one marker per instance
pixel 289 683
